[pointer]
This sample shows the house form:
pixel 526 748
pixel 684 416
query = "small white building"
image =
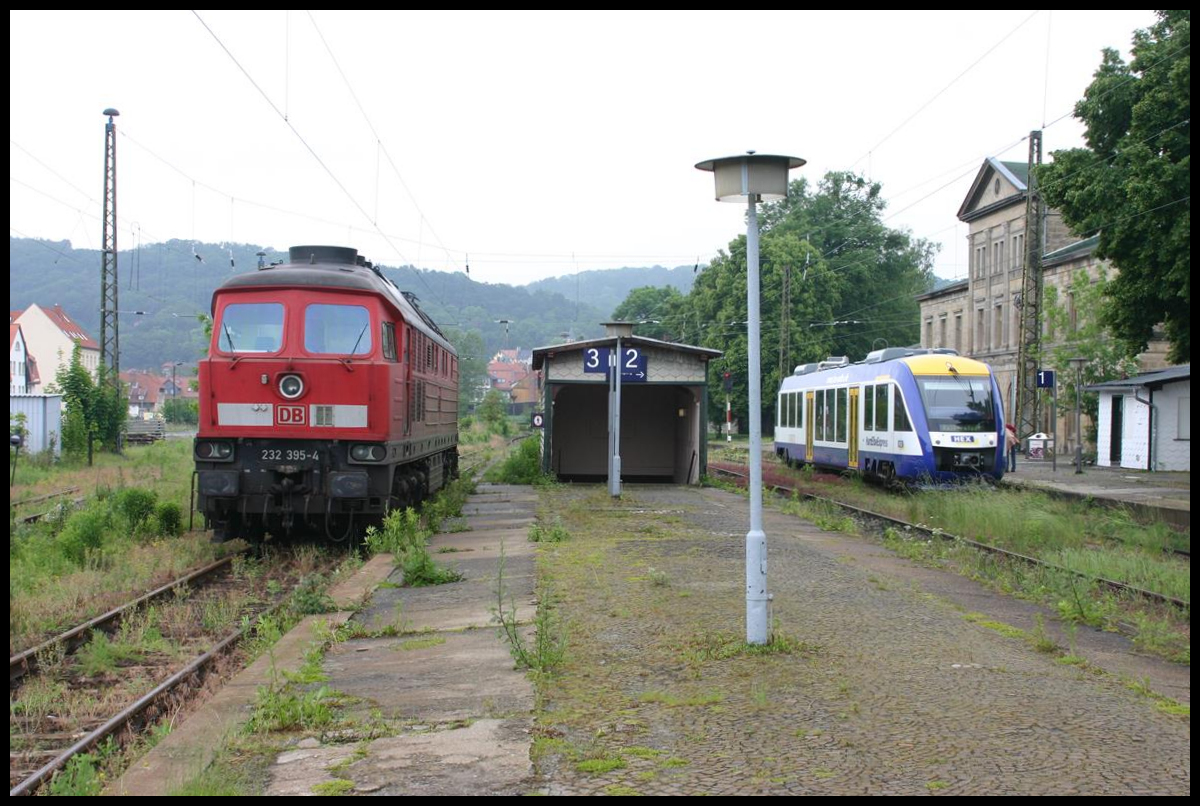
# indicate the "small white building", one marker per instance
pixel 1145 422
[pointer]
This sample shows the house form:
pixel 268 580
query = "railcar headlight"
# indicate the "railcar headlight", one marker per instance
pixel 214 451
pixel 291 386
pixel 367 453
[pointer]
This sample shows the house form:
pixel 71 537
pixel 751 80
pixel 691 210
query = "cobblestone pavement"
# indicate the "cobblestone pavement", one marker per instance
pixel 888 689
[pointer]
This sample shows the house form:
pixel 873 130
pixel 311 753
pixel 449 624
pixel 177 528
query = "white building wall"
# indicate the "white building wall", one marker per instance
pixel 1171 451
pixel 1135 443
pixel 1104 430
pixel 16 366
pixel 51 347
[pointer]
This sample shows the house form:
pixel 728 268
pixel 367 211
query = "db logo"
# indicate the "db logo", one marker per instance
pixel 289 415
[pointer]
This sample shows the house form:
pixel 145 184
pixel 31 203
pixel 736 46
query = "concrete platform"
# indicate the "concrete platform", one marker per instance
pixel 447 684
pixel 1165 496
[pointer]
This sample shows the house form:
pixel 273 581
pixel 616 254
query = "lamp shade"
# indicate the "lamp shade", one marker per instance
pixel 761 175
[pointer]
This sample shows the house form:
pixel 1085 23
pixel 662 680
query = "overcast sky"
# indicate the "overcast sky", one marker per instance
pixel 538 144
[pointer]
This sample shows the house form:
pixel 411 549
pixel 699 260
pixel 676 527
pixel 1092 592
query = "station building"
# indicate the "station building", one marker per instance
pixel 664 398
pixel 980 316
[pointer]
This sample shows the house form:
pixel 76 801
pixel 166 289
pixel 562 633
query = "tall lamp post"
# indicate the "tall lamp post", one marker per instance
pixel 753 178
pixel 1078 363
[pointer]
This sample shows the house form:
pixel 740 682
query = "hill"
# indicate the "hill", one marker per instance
pixel 172 284
pixel 607 288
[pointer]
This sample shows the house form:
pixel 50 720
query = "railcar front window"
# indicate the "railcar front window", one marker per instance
pixel 337 330
pixel 955 403
pixel 251 327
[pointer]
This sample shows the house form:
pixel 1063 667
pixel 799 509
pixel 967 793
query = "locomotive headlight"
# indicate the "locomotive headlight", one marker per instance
pixel 367 453
pixel 291 386
pixel 213 451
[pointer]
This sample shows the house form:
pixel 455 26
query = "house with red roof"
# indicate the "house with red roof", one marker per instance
pixel 50 336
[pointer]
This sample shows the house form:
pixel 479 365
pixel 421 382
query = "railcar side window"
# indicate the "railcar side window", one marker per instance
pixel 900 421
pixel 881 407
pixel 337 330
pixel 868 397
pixel 251 327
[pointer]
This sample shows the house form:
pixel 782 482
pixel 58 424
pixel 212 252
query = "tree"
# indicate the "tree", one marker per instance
pixel 1080 333
pixel 493 409
pixel 472 364
pixel 1132 184
pixel 177 410
pixel 650 307
pixel 94 410
pixel 853 281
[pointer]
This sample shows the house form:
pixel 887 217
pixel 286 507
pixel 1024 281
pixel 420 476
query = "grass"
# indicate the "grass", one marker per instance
pixel 1097 542
pixel 80 563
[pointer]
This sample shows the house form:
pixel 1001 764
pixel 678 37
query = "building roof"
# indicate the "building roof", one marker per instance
pixel 1015 173
pixel 540 354
pixel 1071 251
pixel 956 287
pixel 73 330
pixel 1152 380
pixel 143 386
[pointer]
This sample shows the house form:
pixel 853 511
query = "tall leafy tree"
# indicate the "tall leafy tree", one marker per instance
pixel 1132 184
pixel 651 308
pixel 852 286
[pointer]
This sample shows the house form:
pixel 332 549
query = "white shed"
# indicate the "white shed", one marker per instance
pixel 43 421
pixel 1145 422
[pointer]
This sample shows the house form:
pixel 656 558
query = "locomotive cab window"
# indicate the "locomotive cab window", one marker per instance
pixel 337 330
pixel 389 341
pixel 251 327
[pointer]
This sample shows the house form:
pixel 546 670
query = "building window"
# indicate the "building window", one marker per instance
pixel 1184 419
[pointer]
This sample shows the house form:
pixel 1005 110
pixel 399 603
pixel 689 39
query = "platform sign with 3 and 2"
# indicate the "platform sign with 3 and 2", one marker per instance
pixel 633 363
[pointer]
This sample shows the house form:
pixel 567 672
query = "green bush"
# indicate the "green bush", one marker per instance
pixel 136 504
pixel 524 465
pixel 84 531
pixel 170 519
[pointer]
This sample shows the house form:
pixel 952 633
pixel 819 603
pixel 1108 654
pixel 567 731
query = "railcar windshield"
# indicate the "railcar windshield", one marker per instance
pixel 337 330
pixel 957 403
pixel 251 327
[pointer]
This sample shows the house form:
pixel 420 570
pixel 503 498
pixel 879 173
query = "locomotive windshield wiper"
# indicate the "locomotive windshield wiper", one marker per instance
pixel 354 349
pixel 346 359
pixel 229 337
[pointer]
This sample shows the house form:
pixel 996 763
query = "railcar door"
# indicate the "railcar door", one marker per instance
pixel 808 426
pixel 853 464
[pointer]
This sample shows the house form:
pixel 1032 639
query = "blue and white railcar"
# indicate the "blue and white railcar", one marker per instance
pixel 915 415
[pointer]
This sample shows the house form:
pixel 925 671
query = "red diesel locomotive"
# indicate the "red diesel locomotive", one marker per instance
pixel 327 397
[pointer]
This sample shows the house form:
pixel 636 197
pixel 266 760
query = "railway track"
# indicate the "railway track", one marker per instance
pixel 45 736
pixel 868 515
pixel 25 663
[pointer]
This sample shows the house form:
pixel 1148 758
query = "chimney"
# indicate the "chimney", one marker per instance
pixel 618 329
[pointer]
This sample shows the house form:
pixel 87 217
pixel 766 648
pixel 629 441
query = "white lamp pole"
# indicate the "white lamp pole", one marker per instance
pixel 754 178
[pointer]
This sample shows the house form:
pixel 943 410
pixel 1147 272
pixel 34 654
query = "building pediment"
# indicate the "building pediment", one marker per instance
pixel 996 186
